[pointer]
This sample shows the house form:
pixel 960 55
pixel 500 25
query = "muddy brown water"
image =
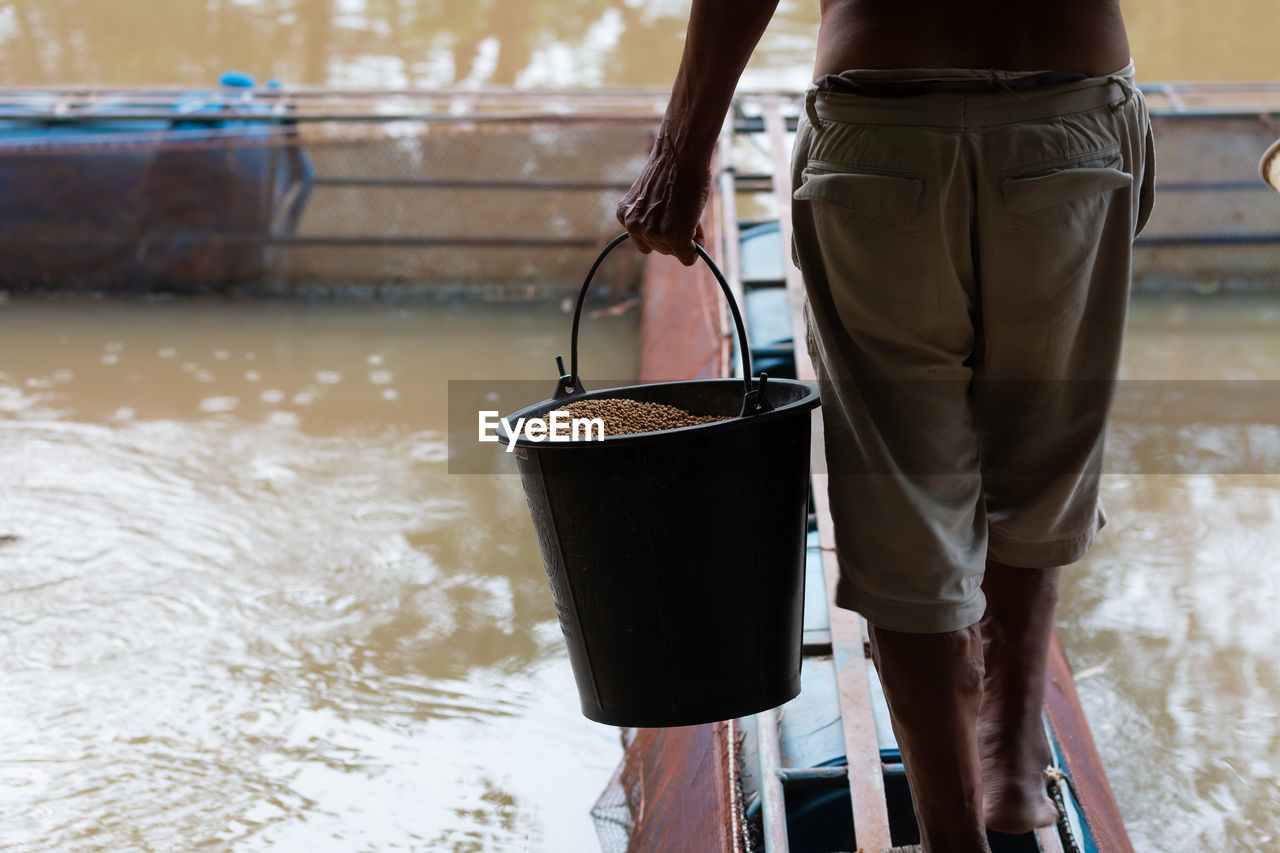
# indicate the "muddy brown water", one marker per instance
pixel 244 604
pixel 507 42
pixel 1170 621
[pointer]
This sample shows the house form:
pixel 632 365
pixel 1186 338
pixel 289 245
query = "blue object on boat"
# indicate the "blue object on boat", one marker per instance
pixel 763 258
pixel 768 318
pixel 237 80
pixel 768 313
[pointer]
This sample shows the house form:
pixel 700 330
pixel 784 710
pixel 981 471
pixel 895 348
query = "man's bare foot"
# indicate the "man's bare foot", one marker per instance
pixel 1013 756
pixel 1015 809
pixel 1013 793
pixel 1013 800
pixel 1015 639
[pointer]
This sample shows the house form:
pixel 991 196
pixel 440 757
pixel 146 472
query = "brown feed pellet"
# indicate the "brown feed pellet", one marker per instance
pixel 628 417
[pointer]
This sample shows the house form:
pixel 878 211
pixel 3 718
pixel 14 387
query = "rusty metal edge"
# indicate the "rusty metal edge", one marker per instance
pixel 718 233
pixel 1084 768
pixel 737 811
pixel 671 292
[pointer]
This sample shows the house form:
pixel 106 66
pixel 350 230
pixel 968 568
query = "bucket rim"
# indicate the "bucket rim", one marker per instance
pixel 803 405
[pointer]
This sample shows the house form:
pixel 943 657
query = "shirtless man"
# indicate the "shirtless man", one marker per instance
pixel 964 678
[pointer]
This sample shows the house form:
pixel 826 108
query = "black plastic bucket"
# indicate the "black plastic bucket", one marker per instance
pixel 676 558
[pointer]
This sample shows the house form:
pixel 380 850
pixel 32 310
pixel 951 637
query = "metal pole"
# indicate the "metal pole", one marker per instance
pixel 773 803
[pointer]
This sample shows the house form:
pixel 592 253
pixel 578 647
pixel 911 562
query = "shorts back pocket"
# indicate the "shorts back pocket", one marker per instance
pixel 1059 184
pixel 879 195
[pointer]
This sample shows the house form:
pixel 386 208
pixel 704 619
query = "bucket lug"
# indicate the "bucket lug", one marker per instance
pixel 754 403
pixel 567 385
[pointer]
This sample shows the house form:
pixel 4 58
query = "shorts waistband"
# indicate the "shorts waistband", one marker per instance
pixel 903 88
pixel 960 98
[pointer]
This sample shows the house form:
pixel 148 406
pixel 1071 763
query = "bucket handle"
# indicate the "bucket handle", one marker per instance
pixel 753 400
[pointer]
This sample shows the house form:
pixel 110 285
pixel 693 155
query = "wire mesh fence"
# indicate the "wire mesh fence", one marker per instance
pixel 438 194
pixel 513 209
pixel 1216 224
pixel 504 205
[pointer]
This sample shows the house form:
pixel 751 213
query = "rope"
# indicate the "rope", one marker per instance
pixel 1054 779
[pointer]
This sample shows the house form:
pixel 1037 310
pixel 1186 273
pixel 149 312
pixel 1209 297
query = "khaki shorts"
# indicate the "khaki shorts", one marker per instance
pixel 966 258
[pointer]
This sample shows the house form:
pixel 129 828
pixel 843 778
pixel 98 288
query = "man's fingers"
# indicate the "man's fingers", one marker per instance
pixel 650 236
pixel 624 208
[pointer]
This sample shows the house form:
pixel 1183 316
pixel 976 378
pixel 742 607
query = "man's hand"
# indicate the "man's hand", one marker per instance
pixel 663 208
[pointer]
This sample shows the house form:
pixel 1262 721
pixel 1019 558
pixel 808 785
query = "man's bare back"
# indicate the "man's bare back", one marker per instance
pixel 662 210
pixel 1011 35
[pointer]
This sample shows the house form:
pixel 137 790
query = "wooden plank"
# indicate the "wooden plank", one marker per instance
pixel 728 185
pixel 773 811
pixel 716 233
pixel 866 779
pixel 727 238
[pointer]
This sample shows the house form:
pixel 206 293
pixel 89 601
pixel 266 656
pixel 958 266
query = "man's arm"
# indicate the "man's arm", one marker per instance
pixel 662 208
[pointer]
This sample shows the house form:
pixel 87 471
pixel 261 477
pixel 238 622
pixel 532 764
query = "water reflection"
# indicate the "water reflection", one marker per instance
pixel 502 42
pixel 280 621
pixel 224 629
pixel 344 42
pixel 1170 620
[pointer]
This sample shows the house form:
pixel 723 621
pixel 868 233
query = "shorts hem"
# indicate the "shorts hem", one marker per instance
pixel 1051 554
pixel 913 617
